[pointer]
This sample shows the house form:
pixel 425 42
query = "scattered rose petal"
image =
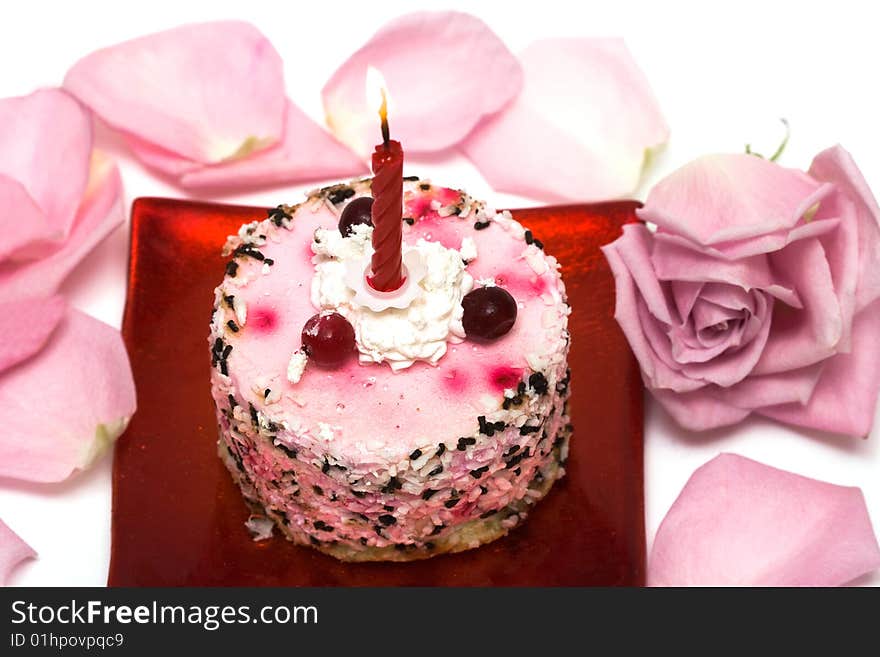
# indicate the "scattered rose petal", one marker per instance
pixel 207 92
pixel 22 223
pixel 25 325
pixel 444 72
pixel 63 407
pixel 100 211
pixel 45 144
pixel 306 153
pixel 13 551
pixel 580 130
pixel 738 522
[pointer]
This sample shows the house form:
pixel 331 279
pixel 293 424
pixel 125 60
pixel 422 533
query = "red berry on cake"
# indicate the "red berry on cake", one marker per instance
pixel 328 339
pixel 489 313
pixel 359 211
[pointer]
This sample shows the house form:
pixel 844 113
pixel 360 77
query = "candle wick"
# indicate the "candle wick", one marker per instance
pixel 383 114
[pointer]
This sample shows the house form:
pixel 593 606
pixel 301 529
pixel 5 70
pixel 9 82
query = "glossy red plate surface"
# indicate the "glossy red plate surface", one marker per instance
pixel 179 520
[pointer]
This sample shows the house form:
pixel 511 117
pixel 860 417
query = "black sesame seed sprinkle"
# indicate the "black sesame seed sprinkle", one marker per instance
pixel 409 220
pixel 393 484
pixel 231 268
pixel 436 471
pixel 387 519
pixel 451 502
pixel 428 494
pixel 284 448
pixel 479 472
pixel 538 383
pixel 416 453
pixel 337 196
pixel 441 449
pixel 318 490
pixel 464 442
pixel 480 225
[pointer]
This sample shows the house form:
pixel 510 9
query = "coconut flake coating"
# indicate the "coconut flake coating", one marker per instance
pixel 369 464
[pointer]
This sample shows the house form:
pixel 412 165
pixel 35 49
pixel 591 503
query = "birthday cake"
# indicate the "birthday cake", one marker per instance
pixel 391 425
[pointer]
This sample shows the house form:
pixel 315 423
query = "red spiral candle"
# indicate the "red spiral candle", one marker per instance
pixel 387 212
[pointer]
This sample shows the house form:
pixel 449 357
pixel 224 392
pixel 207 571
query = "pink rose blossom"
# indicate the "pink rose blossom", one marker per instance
pixel 758 292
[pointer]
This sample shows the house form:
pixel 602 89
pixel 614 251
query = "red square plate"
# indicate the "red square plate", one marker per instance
pixel 179 520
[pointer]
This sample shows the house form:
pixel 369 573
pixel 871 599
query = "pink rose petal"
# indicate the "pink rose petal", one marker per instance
pixel 22 223
pixel 63 407
pixel 721 198
pixel 444 72
pixel 673 261
pixel 811 334
pixel 837 166
pixel 579 131
pixel 841 248
pixel 157 158
pixel 45 144
pixel 306 153
pixel 206 91
pixel 845 399
pixel 755 391
pixel 100 212
pixel 25 325
pixel 13 551
pixel 738 522
pixel 732 367
pixel 751 246
pixel 628 258
pixel 699 409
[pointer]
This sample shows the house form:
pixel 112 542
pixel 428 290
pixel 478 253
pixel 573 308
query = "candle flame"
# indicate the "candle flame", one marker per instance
pixel 377 96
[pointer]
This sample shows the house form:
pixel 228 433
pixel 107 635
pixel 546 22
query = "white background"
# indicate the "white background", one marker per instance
pixel 723 75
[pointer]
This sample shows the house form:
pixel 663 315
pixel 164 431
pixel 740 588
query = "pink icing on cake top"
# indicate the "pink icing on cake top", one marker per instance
pixel 339 408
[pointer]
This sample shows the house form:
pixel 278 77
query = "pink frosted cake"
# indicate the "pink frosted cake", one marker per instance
pixel 401 433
